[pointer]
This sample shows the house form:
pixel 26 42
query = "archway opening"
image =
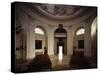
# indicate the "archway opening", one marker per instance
pixel 60 41
pixel 79 40
pixel 40 40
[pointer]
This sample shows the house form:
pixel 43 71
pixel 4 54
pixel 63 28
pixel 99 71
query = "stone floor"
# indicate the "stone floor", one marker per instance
pixel 57 65
pixel 60 65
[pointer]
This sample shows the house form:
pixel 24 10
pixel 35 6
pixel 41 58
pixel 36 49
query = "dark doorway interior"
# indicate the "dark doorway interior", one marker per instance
pixel 60 39
pixel 81 44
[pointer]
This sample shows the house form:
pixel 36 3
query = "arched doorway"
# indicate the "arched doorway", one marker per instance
pixel 40 40
pixel 60 40
pixel 79 40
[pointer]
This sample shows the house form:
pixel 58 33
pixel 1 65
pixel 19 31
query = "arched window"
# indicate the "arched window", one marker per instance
pixel 80 31
pixel 39 31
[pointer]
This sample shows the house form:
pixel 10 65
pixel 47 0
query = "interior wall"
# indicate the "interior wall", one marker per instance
pixel 65 46
pixel 20 46
pixel 94 39
pixel 55 46
pixel 87 40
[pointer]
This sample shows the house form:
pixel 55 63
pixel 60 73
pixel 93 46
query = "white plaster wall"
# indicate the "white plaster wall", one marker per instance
pixel 30 43
pixel 70 41
pixel 94 39
pixel 18 44
pixel 51 41
pixel 87 42
pixel 18 40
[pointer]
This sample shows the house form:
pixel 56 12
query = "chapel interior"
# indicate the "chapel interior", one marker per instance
pixel 52 37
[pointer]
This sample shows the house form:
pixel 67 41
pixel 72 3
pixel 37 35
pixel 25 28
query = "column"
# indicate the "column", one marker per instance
pixel 50 42
pixel 69 41
pixel 87 41
pixel 30 43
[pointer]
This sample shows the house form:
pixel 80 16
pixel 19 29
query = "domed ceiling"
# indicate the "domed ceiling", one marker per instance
pixel 55 14
pixel 60 11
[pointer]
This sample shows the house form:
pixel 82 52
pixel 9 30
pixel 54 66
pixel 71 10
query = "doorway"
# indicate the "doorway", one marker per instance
pixel 60 40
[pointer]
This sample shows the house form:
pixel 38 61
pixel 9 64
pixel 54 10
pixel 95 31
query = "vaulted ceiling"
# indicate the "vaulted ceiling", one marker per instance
pixel 55 14
pixel 60 11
